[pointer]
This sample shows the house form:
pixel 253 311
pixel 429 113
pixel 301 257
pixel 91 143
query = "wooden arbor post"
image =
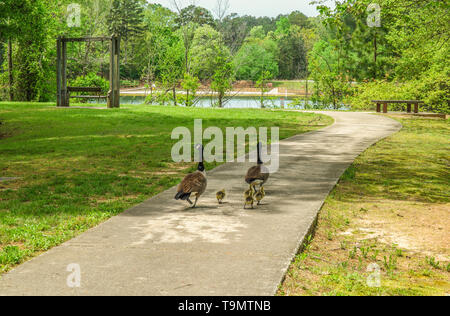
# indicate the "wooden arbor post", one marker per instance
pixel 62 98
pixel 114 73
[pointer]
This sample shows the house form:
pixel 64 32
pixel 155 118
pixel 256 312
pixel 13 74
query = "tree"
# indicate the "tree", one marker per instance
pixel 125 20
pixel 222 80
pixel 207 46
pixel 292 55
pixel 188 20
pixel 324 66
pixel 283 27
pixel 159 24
pixel 234 31
pixel 9 30
pixel 196 15
pixel 221 9
pixel 28 24
pixel 261 84
pixel 252 61
pixel 190 84
pixel 299 19
pixel 172 65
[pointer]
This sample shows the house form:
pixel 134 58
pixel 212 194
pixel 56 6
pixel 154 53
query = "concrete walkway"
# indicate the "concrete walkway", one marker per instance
pixel 162 248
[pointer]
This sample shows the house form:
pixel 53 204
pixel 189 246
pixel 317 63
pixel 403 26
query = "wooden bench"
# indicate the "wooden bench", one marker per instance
pixel 96 90
pixel 408 102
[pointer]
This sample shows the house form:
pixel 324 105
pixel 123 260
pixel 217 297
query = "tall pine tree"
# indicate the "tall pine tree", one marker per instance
pixel 125 20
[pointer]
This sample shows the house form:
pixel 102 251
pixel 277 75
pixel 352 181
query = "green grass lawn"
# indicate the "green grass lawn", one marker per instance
pixel 79 167
pixel 391 208
pixel 293 84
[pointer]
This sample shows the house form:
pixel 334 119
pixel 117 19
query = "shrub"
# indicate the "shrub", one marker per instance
pixel 91 80
pixel 432 88
pixel 159 98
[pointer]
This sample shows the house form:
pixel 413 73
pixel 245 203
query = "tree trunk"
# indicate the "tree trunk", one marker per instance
pixel 307 96
pixel 334 98
pixel 375 56
pixel 10 71
pixel 174 96
pixel 220 99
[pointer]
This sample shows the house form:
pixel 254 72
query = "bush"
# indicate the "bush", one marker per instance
pixel 91 80
pixel 363 94
pixel 432 88
pixel 159 98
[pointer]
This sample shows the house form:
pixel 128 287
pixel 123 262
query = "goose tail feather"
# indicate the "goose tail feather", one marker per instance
pixel 182 196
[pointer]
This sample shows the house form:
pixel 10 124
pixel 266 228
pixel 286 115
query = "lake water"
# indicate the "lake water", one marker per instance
pixel 234 103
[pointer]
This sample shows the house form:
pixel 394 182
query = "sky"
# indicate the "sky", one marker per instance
pixel 270 8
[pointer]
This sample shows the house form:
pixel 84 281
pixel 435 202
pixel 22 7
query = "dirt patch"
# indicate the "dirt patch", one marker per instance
pixel 416 227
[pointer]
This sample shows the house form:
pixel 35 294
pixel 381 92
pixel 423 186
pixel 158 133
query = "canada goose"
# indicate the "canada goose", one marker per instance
pixel 193 183
pixel 257 175
pixel 220 196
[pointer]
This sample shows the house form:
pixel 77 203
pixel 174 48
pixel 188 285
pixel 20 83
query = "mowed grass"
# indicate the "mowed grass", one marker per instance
pixel 293 85
pixel 79 167
pixel 391 208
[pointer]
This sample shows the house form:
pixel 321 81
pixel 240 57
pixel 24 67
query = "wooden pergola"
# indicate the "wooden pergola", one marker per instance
pixel 63 91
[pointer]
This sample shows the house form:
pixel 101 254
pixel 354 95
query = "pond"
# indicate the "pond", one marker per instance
pixel 238 102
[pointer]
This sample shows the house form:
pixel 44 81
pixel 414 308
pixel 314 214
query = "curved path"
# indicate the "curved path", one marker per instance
pixel 162 248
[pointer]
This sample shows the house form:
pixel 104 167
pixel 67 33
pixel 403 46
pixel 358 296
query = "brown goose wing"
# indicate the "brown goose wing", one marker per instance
pixel 253 174
pixel 257 173
pixel 192 183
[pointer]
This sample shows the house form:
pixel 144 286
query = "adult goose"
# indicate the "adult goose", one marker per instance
pixel 257 175
pixel 194 183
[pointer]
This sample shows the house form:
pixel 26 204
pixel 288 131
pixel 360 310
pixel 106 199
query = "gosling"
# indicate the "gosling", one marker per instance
pixel 248 197
pixel 259 196
pixel 220 196
pixel 248 193
pixel 249 201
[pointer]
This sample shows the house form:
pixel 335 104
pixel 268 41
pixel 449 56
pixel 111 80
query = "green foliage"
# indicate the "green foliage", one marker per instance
pixel 160 98
pixel 407 57
pixel 208 52
pixel 331 85
pixel 252 61
pixel 433 262
pixel 222 80
pixel 433 88
pixel 171 63
pixel 125 18
pixel 11 255
pixel 292 57
pixel 91 80
pixel 190 84
pixel 196 15
pixel 30 65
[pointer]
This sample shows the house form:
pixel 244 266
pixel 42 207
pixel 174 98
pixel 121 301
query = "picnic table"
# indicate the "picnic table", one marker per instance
pixel 408 102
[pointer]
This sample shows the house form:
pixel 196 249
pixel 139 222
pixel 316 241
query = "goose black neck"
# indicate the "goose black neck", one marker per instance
pixel 259 154
pixel 201 165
